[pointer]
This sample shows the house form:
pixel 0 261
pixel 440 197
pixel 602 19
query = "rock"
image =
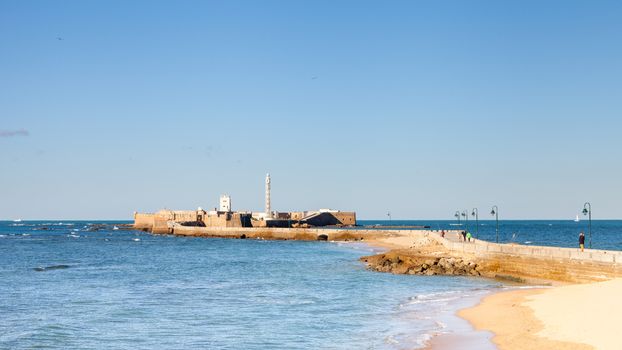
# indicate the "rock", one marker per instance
pixel 398 263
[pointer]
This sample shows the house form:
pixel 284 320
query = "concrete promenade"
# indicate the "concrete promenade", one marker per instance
pixel 483 248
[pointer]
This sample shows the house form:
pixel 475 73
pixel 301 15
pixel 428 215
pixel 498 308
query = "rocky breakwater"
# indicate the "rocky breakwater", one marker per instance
pixel 404 262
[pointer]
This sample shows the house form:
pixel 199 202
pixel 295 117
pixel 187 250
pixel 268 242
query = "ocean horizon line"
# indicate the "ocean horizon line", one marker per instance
pixel 358 219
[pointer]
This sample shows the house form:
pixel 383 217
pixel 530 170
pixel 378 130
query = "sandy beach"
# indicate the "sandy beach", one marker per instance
pixel 582 316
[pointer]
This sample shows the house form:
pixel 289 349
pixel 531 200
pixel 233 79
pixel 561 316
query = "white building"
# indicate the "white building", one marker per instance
pixel 225 203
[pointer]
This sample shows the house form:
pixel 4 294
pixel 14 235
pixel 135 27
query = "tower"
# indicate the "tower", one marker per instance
pixel 225 203
pixel 268 211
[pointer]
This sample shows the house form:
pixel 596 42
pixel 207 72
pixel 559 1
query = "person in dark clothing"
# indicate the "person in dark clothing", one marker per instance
pixel 464 236
pixel 581 240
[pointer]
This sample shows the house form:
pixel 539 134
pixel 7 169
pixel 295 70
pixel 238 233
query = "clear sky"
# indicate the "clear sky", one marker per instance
pixel 420 108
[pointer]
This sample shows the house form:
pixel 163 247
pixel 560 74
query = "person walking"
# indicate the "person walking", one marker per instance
pixel 468 236
pixel 443 233
pixel 581 240
pixel 463 236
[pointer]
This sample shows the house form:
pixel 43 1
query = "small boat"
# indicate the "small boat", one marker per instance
pixel 17 220
pixel 576 219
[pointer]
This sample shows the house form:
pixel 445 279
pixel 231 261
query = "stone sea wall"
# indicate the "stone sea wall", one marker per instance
pixel 309 234
pixel 514 262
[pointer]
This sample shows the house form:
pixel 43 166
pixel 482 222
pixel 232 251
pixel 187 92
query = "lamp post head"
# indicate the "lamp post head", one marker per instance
pixel 457 215
pixel 492 212
pixel 585 211
pixel 473 213
pixel 464 214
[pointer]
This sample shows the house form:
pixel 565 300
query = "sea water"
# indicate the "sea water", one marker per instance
pixel 79 285
pixel 606 234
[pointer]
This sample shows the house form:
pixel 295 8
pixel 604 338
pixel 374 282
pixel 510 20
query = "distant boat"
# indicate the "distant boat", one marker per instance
pixel 576 219
pixel 17 220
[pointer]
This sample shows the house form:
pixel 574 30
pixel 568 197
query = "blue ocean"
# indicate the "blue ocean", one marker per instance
pixel 89 285
pixel 606 234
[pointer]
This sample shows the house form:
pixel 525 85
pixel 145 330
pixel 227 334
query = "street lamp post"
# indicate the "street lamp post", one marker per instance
pixel 389 215
pixel 475 213
pixel 457 216
pixel 587 210
pixel 466 215
pixel 495 212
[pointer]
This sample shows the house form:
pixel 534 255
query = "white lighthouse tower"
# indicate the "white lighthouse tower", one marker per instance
pixel 268 210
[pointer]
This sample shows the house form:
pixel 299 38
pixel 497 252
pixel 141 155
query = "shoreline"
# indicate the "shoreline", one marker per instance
pixel 460 333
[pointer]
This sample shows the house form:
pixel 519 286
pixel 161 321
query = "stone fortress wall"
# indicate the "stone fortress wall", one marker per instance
pixel 161 221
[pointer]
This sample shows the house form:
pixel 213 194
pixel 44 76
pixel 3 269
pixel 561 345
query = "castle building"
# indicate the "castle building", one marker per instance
pixel 224 216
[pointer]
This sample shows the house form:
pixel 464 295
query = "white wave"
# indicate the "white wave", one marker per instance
pixel 136 239
pixel 436 295
pixel 430 301
pixel 424 339
pixel 391 340
pixel 528 242
pixel 436 299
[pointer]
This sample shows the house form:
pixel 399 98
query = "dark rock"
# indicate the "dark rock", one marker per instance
pixel 420 265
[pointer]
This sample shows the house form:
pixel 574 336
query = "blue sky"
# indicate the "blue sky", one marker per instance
pixel 420 108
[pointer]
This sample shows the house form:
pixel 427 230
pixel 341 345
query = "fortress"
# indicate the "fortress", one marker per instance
pixel 223 216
